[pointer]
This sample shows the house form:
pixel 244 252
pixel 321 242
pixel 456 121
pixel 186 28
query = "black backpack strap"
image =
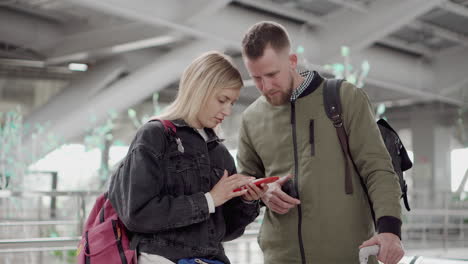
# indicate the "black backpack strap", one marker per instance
pixel 332 104
pixel 331 99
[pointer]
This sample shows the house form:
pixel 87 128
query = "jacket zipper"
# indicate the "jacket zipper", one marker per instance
pixel 295 180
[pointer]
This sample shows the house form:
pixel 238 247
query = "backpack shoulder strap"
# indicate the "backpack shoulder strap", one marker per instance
pixel 331 98
pixel 171 130
pixel 169 126
pixel 332 105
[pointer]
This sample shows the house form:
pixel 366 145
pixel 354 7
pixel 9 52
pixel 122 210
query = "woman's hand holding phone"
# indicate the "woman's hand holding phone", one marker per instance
pixel 223 191
pixel 254 191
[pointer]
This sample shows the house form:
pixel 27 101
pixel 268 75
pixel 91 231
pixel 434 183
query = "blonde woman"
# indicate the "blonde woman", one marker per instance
pixel 175 193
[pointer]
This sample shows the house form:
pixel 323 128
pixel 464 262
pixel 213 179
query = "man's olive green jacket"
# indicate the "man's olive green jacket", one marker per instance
pixel 333 223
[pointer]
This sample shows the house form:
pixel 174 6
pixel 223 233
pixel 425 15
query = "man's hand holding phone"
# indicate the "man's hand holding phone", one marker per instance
pixel 277 200
pixel 259 182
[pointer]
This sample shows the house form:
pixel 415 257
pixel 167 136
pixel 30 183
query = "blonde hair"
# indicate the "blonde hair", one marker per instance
pixel 210 71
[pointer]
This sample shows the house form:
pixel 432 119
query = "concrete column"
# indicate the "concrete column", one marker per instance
pixel 431 140
pixel 442 165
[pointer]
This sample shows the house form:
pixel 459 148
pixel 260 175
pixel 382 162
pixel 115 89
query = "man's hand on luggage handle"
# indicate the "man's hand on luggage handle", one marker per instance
pixel 277 200
pixel 391 248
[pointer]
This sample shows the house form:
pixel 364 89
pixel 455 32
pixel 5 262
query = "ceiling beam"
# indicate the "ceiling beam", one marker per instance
pixel 126 92
pixel 132 36
pixel 284 11
pixel 99 47
pixel 27 31
pixel 439 31
pixel 387 67
pixel 101 38
pixel 356 6
pixel 455 8
pixel 160 13
pixel 416 48
pixel 78 93
pixel 359 31
pixel 210 7
pixel 422 94
pixel 450 73
pixel 458 86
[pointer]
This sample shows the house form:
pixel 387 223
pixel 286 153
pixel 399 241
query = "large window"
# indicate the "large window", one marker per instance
pixel 76 166
pixel 459 160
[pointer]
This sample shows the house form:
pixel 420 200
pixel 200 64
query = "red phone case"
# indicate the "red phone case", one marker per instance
pixel 258 182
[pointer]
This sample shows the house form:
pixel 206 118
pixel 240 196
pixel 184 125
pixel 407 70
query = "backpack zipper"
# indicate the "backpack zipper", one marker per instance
pixel 118 240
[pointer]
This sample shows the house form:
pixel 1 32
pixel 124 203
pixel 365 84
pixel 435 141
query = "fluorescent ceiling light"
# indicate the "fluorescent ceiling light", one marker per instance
pixel 77 67
pixel 141 44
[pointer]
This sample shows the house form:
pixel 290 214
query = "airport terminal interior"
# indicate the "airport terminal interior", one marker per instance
pixel 79 77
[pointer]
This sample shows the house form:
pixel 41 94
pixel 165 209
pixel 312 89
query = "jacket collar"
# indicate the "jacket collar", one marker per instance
pixel 179 123
pixel 314 84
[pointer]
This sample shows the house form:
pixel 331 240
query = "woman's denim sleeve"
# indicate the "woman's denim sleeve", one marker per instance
pixel 237 213
pixel 137 195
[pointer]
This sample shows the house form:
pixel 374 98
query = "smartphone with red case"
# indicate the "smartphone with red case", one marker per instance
pixel 258 182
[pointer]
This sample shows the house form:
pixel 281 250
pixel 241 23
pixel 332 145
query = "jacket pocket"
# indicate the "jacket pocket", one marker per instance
pixel 312 137
pixel 182 174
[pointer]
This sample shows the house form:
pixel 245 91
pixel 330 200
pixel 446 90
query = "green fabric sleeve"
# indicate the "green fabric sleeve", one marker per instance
pixel 248 161
pixel 369 152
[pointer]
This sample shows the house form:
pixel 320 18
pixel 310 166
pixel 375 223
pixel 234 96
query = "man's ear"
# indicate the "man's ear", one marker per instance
pixel 293 60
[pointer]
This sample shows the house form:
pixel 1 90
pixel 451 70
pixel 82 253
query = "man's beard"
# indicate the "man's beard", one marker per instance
pixel 281 98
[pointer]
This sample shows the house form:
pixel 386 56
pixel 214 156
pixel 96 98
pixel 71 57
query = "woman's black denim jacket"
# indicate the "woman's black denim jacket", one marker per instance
pixel 159 194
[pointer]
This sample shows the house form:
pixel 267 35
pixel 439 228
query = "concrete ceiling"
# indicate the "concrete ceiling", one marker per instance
pixel 417 49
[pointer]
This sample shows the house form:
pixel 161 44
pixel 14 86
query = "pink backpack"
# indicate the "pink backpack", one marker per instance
pixel 105 238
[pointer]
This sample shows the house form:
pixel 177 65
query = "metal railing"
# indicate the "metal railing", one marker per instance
pixel 420 226
pixel 42 226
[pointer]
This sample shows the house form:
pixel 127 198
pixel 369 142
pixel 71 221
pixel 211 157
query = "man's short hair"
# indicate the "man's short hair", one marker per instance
pixel 264 34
